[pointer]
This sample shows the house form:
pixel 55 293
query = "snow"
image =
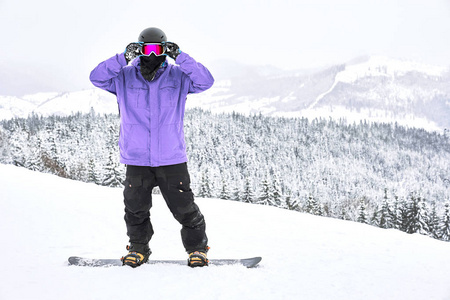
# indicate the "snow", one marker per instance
pixel 45 219
pixel 80 101
pixel 378 65
pixel 40 97
pixel 11 107
pixel 61 104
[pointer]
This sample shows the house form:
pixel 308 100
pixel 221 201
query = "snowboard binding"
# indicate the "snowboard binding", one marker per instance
pixel 197 259
pixel 135 259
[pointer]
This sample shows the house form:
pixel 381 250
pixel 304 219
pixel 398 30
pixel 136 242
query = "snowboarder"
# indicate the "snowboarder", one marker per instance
pixel 151 95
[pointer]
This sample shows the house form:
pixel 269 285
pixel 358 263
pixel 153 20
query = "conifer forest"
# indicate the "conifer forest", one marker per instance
pixel 380 174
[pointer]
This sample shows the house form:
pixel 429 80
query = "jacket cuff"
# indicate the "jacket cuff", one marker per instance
pixel 181 58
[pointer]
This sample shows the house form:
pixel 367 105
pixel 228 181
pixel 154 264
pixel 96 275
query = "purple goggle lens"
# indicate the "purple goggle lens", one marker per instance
pixel 147 49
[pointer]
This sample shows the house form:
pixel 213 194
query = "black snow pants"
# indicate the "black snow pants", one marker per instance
pixel 174 183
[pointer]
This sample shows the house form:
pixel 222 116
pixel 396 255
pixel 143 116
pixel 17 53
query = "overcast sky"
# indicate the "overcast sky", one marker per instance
pixel 67 39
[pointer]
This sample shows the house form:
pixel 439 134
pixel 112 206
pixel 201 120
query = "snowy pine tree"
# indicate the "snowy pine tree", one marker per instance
pixel 113 177
pixel 386 213
pixel 92 173
pixel 18 146
pixel 433 222
pixel 312 206
pixel 362 216
pixel 34 162
pixel 113 173
pixel 248 195
pixel 277 198
pixel 375 219
pixel 205 188
pixel 396 214
pixel 444 228
pixel 265 195
pixel 416 216
pixel 292 203
pixel 225 193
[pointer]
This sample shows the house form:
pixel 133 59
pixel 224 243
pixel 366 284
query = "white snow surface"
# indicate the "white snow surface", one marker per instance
pixel 45 219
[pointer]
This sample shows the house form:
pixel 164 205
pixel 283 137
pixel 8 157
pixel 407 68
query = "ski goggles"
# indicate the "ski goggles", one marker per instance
pixel 156 48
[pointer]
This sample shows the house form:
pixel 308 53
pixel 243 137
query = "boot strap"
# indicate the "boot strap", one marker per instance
pixel 134 258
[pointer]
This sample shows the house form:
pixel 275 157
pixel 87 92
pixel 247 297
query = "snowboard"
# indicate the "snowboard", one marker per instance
pixel 110 262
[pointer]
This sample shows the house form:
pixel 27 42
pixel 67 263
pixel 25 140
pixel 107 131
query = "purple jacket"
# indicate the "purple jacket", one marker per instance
pixel 152 113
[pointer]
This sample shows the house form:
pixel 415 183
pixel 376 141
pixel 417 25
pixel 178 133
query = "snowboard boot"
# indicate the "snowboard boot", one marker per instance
pixel 136 256
pixel 198 258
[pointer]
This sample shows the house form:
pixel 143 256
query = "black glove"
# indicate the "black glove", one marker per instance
pixel 132 51
pixel 172 50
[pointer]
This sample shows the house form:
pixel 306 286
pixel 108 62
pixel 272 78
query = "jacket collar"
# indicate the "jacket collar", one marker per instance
pixel 137 64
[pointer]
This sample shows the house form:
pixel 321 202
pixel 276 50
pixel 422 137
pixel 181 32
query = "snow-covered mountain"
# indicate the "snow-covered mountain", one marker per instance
pixel 62 104
pixel 48 219
pixel 375 89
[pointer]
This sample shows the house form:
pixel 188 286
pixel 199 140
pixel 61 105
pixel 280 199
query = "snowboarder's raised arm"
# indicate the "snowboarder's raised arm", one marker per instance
pixel 104 74
pixel 200 77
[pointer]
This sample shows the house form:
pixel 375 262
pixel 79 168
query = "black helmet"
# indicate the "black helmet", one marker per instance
pixel 152 35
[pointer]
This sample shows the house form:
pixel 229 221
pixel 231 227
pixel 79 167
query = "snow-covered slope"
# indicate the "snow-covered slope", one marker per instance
pixel 81 101
pixel 381 66
pixel 387 90
pixel 11 107
pixel 44 219
pixel 62 104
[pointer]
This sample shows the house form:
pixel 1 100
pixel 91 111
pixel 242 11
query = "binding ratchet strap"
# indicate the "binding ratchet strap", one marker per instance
pixel 198 259
pixel 132 259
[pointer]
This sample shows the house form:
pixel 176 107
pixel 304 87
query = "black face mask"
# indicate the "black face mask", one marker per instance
pixel 150 65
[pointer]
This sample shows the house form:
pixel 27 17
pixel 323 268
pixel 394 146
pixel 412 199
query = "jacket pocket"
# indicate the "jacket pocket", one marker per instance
pixel 169 95
pixel 138 95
